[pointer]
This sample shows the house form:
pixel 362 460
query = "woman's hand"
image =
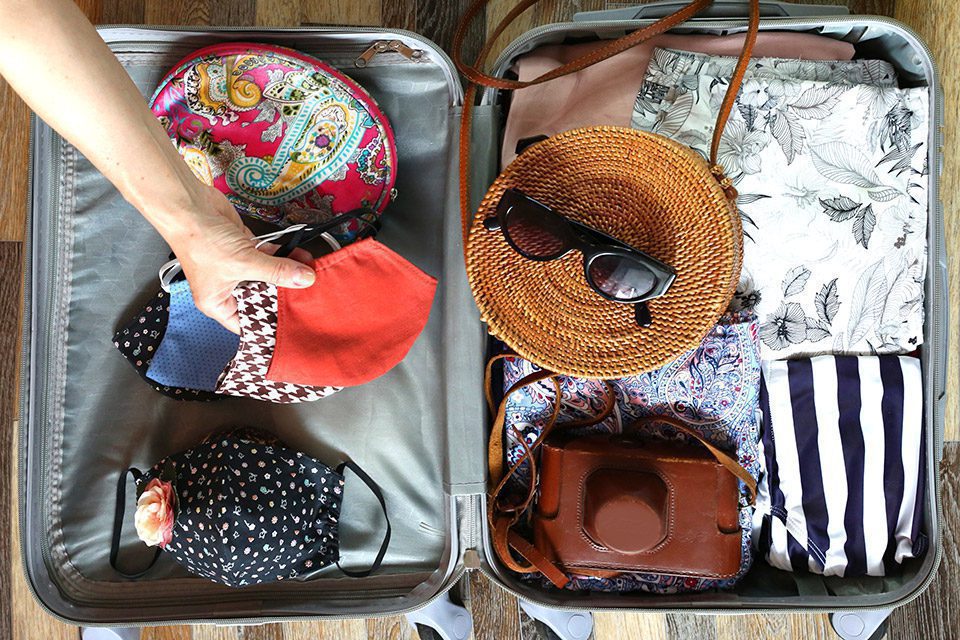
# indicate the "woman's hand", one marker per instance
pixel 79 88
pixel 217 252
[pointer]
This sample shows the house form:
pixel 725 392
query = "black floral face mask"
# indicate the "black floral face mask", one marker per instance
pixel 242 509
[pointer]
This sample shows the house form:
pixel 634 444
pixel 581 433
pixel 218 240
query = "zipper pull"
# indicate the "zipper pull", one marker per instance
pixel 383 46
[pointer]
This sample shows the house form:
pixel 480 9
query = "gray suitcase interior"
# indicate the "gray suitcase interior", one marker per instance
pixel 419 430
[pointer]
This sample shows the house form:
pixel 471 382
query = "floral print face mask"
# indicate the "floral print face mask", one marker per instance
pixel 242 509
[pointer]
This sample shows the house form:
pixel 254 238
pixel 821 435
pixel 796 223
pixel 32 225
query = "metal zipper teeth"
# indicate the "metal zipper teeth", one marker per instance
pixel 935 352
pixel 449 70
pixel 456 95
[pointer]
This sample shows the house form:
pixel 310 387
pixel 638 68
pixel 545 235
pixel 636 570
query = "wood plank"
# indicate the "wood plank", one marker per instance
pixel 122 12
pixel 328 630
pixel 687 625
pixel 272 631
pixel 399 14
pixel 936 613
pixel 354 12
pixel 10 286
pixel 390 628
pixel 176 12
pixel 14 157
pixel 438 21
pixel 214 632
pixel 496 613
pixel 278 13
pixel 237 13
pixel 808 627
pixel 615 624
pixel 174 632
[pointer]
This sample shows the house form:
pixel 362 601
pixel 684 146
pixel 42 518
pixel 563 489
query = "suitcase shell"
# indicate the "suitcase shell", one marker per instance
pixel 420 430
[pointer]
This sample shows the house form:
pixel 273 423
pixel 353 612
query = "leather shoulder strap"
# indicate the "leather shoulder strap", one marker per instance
pixel 476 76
pixel 724 458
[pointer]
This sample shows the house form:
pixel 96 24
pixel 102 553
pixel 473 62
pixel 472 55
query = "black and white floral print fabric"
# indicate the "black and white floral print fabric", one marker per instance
pixel 830 161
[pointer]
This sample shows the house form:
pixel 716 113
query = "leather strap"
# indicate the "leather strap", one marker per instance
pixel 476 77
pixel 724 458
pixel 503 517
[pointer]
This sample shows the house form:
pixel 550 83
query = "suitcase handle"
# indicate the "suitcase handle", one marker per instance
pixel 719 10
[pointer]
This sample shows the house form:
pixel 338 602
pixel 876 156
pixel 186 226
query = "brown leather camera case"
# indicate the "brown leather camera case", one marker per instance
pixel 611 503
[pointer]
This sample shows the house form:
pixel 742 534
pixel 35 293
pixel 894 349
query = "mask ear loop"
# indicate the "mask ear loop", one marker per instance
pixel 118 526
pixel 171 269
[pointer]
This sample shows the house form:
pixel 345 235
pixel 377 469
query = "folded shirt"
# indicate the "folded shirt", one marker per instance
pixel 605 92
pixel 833 198
pixel 843 493
pixel 673 73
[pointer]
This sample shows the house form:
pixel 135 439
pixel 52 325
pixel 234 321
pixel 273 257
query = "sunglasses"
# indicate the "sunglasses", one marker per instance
pixel 613 269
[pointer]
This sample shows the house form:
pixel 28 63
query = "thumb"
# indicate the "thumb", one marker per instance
pixel 282 272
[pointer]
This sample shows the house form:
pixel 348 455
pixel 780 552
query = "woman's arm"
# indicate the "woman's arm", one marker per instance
pixel 54 58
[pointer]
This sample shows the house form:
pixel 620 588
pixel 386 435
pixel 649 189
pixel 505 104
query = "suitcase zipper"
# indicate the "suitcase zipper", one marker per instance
pixel 353 52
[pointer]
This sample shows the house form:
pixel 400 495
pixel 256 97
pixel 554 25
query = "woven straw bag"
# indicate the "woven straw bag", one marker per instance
pixel 646 190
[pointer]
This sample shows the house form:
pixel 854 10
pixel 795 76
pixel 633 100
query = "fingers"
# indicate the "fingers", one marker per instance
pixel 221 308
pixel 283 272
pixel 302 256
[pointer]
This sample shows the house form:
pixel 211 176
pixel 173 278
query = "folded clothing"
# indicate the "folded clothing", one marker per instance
pixel 672 74
pixel 833 199
pixel 246 374
pixel 605 92
pixel 843 492
pixel 194 349
pixel 713 389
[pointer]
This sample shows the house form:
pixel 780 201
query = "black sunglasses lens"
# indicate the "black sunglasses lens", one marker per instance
pixel 621 277
pixel 535 233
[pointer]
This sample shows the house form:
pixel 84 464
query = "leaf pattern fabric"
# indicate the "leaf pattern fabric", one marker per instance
pixel 829 159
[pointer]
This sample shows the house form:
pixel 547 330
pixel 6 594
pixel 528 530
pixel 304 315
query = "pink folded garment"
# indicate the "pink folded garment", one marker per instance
pixel 605 92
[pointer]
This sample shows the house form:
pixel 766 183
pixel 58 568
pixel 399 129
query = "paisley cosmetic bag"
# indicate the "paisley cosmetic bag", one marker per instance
pixel 286 137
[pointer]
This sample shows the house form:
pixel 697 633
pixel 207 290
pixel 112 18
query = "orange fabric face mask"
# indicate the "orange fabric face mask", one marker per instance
pixel 358 320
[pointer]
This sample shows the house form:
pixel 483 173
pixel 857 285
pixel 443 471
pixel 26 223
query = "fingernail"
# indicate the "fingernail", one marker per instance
pixel 303 277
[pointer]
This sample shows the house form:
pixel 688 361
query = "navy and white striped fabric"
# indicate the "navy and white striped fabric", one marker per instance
pixel 843 492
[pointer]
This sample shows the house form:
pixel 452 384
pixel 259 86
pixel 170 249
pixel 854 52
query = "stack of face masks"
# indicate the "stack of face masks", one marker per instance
pixel 356 322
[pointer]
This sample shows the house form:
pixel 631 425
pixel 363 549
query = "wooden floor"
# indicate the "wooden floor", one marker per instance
pixel 935 615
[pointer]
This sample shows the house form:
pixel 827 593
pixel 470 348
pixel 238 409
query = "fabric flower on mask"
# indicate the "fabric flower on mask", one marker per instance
pixel 788 325
pixel 155 513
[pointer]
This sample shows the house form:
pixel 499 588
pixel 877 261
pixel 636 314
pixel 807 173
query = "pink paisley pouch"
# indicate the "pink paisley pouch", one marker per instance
pixel 284 136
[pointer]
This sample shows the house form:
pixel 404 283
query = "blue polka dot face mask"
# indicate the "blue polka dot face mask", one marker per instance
pixel 241 509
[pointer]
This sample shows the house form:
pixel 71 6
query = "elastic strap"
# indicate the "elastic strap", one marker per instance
pixel 118 525
pixel 375 490
pixel 477 77
pixel 171 269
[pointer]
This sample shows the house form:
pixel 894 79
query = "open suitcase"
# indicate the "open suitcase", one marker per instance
pixel 420 430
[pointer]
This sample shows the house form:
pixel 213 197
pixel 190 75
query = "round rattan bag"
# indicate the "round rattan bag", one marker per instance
pixel 668 205
pixel 643 189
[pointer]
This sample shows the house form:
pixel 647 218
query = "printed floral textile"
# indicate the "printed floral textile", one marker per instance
pixel 832 182
pixel 282 134
pixel 713 388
